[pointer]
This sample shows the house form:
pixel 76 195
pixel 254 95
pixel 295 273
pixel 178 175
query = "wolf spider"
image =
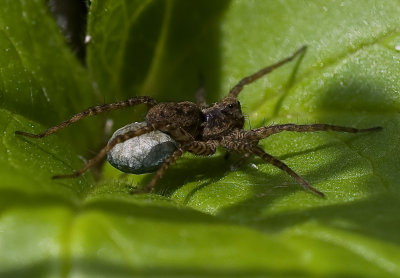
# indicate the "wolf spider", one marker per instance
pixel 200 129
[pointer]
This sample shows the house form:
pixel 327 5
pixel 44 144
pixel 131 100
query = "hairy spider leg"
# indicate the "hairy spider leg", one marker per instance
pixel 246 148
pixel 264 132
pixel 91 112
pixel 234 92
pixel 195 147
pixel 118 139
pixel 164 166
pixel 276 162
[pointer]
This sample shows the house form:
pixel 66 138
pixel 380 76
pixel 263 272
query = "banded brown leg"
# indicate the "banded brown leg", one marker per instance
pixel 95 110
pixel 234 92
pixel 264 132
pixel 195 147
pixel 118 139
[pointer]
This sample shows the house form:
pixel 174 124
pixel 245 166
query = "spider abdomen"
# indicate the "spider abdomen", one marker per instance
pixel 181 120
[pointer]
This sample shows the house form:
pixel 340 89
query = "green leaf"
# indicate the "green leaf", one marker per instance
pixel 204 219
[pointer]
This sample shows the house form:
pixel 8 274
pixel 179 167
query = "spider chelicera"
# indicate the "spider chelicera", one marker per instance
pixel 200 129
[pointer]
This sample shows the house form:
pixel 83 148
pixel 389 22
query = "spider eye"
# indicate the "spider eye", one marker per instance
pixel 230 105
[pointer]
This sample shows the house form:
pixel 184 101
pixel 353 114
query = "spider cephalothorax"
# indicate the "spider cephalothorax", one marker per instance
pixel 200 129
pixel 221 118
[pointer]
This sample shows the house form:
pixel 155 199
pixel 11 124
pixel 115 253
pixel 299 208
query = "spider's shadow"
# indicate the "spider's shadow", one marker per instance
pixel 192 169
pixel 348 103
pixel 270 187
pixel 209 170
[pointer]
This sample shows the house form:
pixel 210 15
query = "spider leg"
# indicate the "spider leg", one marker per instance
pixel 234 92
pixel 264 132
pixel 160 172
pixel 90 112
pixel 195 147
pixel 276 162
pixel 118 139
pixel 244 148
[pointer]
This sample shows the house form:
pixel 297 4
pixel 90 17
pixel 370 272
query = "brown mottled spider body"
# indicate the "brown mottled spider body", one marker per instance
pixel 200 129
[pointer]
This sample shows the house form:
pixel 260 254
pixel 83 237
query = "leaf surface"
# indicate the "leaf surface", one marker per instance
pixel 203 218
